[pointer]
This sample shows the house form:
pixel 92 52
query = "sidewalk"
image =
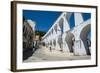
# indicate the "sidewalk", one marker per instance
pixel 44 54
pixel 56 52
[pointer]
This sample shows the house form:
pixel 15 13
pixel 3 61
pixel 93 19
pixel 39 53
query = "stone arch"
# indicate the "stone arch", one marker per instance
pixel 60 42
pixel 54 42
pixel 83 35
pixel 55 28
pixel 69 39
pixel 61 24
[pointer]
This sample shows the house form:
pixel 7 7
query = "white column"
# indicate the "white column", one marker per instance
pixel 54 37
pixel 57 36
pixel 78 18
pixel 54 33
pixel 58 30
pixel 79 48
pixel 50 39
pixel 65 45
pixel 66 27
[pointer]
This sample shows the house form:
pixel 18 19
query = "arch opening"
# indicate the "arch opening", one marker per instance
pixel 70 41
pixel 54 43
pixel 61 25
pixel 60 42
pixel 84 37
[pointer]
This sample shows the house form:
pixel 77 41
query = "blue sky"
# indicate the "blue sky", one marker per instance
pixel 45 19
pixel 85 17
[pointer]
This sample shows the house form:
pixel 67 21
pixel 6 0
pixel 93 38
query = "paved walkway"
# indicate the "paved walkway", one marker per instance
pixel 44 54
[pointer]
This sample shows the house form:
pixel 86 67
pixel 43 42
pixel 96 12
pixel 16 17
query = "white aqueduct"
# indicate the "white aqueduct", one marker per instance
pixel 61 37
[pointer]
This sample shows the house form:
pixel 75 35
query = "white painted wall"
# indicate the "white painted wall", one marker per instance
pixel 5 37
pixel 32 24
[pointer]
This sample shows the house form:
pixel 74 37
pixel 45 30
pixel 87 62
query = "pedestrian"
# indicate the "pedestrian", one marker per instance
pixel 50 49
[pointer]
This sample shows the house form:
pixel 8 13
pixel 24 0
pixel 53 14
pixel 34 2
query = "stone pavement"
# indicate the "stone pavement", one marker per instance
pixel 44 54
